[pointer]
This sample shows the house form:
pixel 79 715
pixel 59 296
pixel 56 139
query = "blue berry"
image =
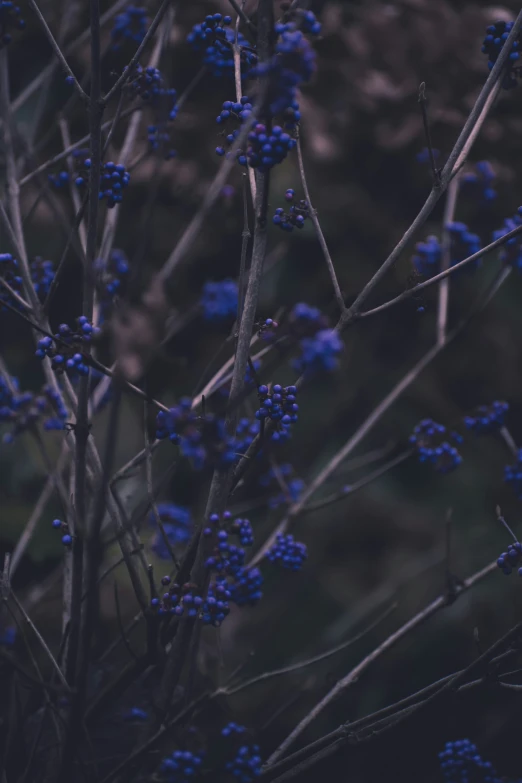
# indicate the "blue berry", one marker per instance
pixel 496 36
pixel 319 353
pixel 219 300
pixel 129 27
pixel 287 552
pixel 10 19
pixel 513 475
pixel 429 438
pixel 487 418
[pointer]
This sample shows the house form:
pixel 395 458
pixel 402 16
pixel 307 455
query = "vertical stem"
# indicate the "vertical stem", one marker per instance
pixel 449 214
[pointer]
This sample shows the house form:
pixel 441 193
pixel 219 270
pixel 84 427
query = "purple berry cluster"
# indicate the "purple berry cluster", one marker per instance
pixel 114 179
pixel 428 256
pixel 23 410
pixel 479 182
pixel 308 22
pixel 295 217
pixel 64 349
pixel 177 525
pixel 130 27
pixel 7 635
pixel 319 353
pixel 10 19
pixel 293 64
pixel 245 764
pixel 496 36
pixel 513 475
pixel 487 418
pixel 511 251
pixel 429 439
pixel 460 762
pixel 181 766
pixel 243 585
pixel 510 559
pixel 219 300
pixel 202 439
pixel 294 485
pixel 149 85
pixel 215 38
pixel 63 527
pixel 42 275
pixel 266 147
pixel 278 404
pixel 287 552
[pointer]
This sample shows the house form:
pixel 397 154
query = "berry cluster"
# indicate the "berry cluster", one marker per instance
pixel 511 251
pixel 432 447
pixel 111 278
pixel 319 353
pixel 513 475
pixel 64 349
pixel 42 275
pixel 480 181
pixel 294 485
pixel 308 22
pixel 427 259
pixel 460 762
pixel 219 300
pixel 487 418
pixel 129 27
pixel 177 525
pixel 287 552
pixel 510 559
pixel 245 433
pixel 149 85
pixel 245 765
pixel 496 36
pixel 202 439
pixel 113 180
pixel 292 64
pixel 279 404
pixel 215 38
pixel 296 215
pixel 245 587
pixel 305 320
pixel 10 19
pixel 181 766
pixel 243 529
pixel 266 148
pixel 63 527
pixel 23 410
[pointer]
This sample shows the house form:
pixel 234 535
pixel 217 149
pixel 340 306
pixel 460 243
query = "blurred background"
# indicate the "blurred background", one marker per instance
pixel 362 134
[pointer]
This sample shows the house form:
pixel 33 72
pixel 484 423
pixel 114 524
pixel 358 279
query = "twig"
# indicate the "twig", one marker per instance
pixel 423 101
pixel 355 673
pixel 229 691
pixel 318 230
pixel 449 216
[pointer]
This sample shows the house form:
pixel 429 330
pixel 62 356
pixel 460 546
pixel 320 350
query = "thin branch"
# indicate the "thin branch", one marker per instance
pixel 58 52
pixel 230 690
pixel 345 682
pixel 318 230
pixel 448 217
